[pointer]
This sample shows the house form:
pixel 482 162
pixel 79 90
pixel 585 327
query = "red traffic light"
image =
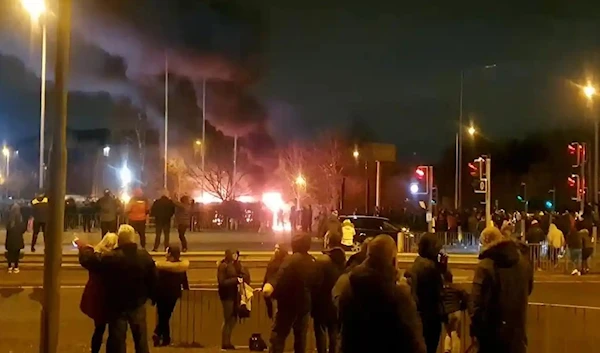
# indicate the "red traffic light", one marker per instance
pixel 572 182
pixel 420 172
pixel 473 170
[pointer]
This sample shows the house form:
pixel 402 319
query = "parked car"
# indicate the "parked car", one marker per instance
pixel 372 226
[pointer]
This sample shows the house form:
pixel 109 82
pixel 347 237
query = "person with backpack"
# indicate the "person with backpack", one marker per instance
pixel 230 273
pixel 172 278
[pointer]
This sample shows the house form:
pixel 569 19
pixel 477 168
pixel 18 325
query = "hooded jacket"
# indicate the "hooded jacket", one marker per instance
pixel 535 234
pixel 348 233
pixel 15 228
pixel 39 206
pixel 228 273
pixel 162 210
pixel 502 283
pixel 172 278
pixel 137 208
pixel 329 268
pixel 425 278
pixel 183 211
pixel 376 314
pixel 556 237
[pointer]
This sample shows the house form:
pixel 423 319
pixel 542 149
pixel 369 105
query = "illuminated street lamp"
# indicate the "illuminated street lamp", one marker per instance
pixel 471 130
pixel 198 142
pixel 589 91
pixel 106 151
pixel 355 154
pixel 36 8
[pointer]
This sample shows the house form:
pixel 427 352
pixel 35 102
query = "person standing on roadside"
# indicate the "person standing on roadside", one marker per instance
pixel 129 276
pixel 502 284
pixel 162 210
pixel 93 300
pixel 15 228
pixel 183 218
pixel 137 212
pixel 39 207
pixel 292 287
pixel 279 256
pixel 172 278
pixel 328 269
pixel 230 274
pixel 376 314
pixel 108 209
pixel 426 282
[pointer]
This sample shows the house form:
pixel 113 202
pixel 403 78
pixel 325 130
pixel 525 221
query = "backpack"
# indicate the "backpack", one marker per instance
pixel 256 343
pixel 246 294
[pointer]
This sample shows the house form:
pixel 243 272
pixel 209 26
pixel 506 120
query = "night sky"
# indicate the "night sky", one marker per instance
pixel 295 68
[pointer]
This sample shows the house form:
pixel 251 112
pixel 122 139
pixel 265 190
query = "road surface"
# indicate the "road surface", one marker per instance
pixel 200 241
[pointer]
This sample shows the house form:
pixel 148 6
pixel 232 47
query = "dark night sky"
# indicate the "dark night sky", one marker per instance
pixel 300 67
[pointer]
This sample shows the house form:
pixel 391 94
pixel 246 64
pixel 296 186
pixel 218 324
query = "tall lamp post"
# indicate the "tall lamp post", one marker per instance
pixel 6 154
pixel 590 92
pixel 36 8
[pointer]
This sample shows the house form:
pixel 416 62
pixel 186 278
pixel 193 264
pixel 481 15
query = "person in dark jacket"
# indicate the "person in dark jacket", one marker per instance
pixel 587 247
pixel 70 214
pixel 230 274
pixel 329 268
pixel 183 218
pixel 535 234
pixel 87 214
pixel 502 284
pixel 359 257
pixel 39 207
pixel 376 314
pixel 574 240
pixel 129 276
pixel 15 228
pixel 162 210
pixel 426 282
pixel 108 209
pixel 93 300
pixel 172 278
pixel 279 256
pixel 292 288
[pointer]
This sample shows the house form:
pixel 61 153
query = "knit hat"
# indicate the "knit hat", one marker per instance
pixel 490 236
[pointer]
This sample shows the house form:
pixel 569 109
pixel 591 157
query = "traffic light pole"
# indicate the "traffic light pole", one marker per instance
pixel 488 192
pixel 430 200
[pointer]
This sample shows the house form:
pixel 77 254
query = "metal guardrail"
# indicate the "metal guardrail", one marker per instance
pixel 451 241
pixel 550 328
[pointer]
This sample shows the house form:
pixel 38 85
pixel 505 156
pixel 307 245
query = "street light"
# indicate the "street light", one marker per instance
pixel 471 130
pixel 198 142
pixel 300 181
pixel 355 154
pixel 36 8
pixel 590 91
pixel 106 151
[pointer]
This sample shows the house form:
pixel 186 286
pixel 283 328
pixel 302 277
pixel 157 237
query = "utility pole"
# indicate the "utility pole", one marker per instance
pixel 378 185
pixel 488 192
pixel 203 147
pixel 430 200
pixel 50 320
pixel 166 152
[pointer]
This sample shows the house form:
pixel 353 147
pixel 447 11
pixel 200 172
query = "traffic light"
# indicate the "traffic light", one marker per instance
pixel 477 171
pixel 575 187
pixel 522 195
pixel 577 153
pixel 434 195
pixel 421 181
pixel 550 203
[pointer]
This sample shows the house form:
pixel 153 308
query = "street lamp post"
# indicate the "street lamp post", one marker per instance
pixel 590 92
pixel 36 8
pixel 6 154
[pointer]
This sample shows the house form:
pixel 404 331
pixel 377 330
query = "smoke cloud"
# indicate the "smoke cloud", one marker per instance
pixel 121 49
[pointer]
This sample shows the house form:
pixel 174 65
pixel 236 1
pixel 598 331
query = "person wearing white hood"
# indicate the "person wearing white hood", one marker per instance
pixel 556 241
pixel 348 233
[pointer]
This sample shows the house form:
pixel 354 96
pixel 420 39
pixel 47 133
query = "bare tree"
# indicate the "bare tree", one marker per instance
pixel 218 180
pixel 330 155
pixel 293 168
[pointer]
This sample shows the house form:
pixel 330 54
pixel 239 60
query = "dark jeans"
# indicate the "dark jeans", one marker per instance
pixel 553 253
pixel 99 328
pixel 285 321
pixel 117 331
pixel 229 321
pixel 108 227
pixel 164 310
pixel 140 228
pixel 326 329
pixel 162 227
pixel 12 256
pixel 181 229
pixel 37 227
pixel 87 223
pixel 432 328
